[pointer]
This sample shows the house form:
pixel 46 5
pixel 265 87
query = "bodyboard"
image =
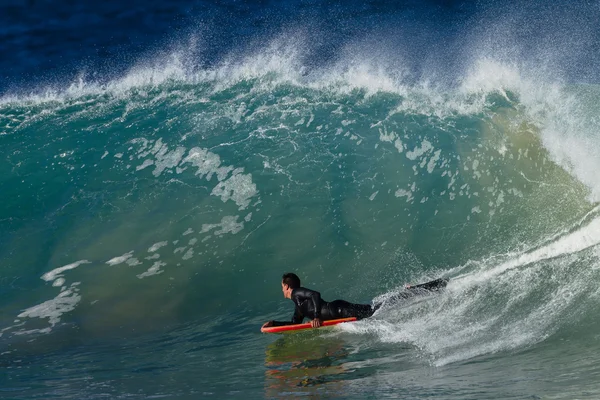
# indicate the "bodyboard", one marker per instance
pixel 301 327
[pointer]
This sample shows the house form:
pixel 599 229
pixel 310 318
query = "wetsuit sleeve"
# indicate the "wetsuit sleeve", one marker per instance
pixel 297 318
pixel 316 299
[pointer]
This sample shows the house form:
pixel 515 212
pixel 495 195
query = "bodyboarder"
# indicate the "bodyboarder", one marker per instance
pixel 309 304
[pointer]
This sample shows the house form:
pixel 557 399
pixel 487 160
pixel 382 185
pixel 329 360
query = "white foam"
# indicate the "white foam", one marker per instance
pixel 50 276
pixel 419 151
pixel 365 74
pixel 155 269
pixel 53 309
pixel 145 164
pixel 585 237
pixel 58 282
pixel 568 124
pixel 206 163
pixel 406 193
pixel 398 145
pixel 433 161
pixel 488 75
pixel 276 63
pixel 167 160
pixel 493 308
pixel 64 302
pixel 132 262
pixel 228 224
pixel 188 254
pixel 157 246
pixel 120 259
pixel 573 142
pixel 239 188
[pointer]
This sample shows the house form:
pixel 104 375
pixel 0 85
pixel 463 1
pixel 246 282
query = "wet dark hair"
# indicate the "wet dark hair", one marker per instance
pixel 291 280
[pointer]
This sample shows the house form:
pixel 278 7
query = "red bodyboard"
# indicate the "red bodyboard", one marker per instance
pixel 299 327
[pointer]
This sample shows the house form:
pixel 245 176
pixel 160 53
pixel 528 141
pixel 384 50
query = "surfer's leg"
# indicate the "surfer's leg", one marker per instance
pixel 344 309
pixel 418 290
pixel 429 286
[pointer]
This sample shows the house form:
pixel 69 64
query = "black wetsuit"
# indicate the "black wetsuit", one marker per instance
pixel 309 304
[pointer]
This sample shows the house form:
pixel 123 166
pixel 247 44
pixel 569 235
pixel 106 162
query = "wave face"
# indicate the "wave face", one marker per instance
pixel 148 219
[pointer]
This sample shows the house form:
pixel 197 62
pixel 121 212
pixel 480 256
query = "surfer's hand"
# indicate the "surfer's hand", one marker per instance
pixel 315 323
pixel 267 324
pixel 407 286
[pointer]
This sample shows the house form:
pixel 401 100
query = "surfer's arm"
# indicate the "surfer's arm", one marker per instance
pixel 315 297
pixel 297 318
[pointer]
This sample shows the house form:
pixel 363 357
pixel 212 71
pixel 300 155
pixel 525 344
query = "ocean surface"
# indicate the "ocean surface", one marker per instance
pixel 162 164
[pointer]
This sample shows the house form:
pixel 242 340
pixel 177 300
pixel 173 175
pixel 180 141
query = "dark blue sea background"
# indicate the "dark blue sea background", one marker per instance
pixel 52 42
pixel 162 164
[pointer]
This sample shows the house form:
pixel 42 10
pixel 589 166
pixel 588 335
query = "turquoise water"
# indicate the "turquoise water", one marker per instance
pixel 146 222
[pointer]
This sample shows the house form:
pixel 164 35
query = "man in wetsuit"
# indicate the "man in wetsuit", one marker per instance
pixel 309 304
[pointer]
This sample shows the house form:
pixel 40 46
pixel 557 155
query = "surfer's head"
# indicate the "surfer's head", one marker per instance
pixel 289 282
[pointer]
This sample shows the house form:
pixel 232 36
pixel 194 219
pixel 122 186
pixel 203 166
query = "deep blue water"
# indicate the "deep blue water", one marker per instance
pixel 50 42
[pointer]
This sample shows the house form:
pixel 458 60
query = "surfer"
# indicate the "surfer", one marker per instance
pixel 309 303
